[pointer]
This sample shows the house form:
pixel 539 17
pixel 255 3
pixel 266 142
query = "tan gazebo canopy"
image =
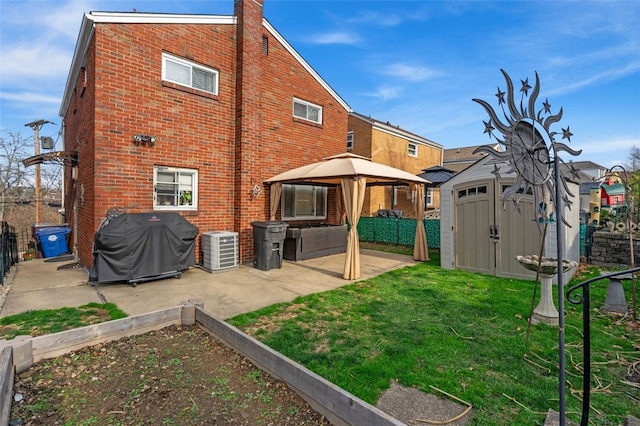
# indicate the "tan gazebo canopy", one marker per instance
pixel 351 174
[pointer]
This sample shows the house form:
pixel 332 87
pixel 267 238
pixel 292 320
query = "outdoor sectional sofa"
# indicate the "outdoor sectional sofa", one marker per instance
pixel 310 241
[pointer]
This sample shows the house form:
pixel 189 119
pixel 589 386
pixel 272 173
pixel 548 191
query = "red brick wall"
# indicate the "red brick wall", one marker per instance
pixel 79 136
pixel 290 142
pixel 248 130
pixel 234 143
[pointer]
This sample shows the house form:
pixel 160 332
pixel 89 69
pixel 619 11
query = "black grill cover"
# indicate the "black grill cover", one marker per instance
pixel 134 246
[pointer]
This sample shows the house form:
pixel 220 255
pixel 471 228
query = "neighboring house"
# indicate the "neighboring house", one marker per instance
pixel 589 176
pixel 437 175
pixel 392 146
pixel 590 168
pixel 189 114
pixel 585 181
pixel 605 196
pixel 458 159
pixel 612 195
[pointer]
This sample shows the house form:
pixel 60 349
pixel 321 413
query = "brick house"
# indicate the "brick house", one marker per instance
pixel 190 114
pixel 392 146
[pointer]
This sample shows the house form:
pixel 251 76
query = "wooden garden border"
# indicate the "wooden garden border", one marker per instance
pixel 337 405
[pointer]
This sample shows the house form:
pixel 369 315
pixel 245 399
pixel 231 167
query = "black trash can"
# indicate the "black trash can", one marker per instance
pixel 268 244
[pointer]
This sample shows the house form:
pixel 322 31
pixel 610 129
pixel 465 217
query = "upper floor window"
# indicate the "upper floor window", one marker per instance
pixel 175 189
pixel 350 140
pixel 307 111
pixel 413 149
pixel 190 74
pixel 304 202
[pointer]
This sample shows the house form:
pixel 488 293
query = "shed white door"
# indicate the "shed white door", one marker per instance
pixel 488 238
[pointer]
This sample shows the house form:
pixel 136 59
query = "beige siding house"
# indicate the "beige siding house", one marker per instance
pixel 387 144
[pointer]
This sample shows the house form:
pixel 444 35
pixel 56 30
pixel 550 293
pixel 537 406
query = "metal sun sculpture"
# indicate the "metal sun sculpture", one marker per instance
pixel 529 143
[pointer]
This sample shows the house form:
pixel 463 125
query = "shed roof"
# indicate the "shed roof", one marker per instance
pixel 614 189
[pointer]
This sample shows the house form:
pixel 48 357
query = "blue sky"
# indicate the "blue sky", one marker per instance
pixel 416 64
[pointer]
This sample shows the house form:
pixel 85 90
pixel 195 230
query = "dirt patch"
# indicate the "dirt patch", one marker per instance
pixel 414 407
pixel 183 376
pixel 178 375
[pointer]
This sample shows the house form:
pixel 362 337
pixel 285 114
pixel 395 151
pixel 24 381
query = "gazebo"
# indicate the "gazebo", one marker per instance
pixel 351 174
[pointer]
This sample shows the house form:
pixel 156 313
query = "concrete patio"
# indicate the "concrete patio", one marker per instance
pixel 39 284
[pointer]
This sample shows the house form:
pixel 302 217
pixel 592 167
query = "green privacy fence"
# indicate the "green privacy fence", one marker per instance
pixel 401 231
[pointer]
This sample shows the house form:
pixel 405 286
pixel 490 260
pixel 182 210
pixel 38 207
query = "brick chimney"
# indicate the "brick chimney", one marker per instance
pixel 248 119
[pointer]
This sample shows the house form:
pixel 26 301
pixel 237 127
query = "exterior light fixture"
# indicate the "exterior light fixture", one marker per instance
pixel 255 191
pixel 144 140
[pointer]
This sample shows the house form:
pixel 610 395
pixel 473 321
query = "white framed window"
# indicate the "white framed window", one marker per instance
pixel 412 149
pixel 301 202
pixel 307 111
pixel 175 188
pixel 190 74
pixel 429 197
pixel 350 140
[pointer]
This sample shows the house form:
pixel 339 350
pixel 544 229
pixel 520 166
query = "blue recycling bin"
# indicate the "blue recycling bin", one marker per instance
pixel 53 240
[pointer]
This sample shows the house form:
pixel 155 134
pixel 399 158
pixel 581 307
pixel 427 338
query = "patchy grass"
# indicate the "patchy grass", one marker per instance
pixel 46 321
pixel 460 332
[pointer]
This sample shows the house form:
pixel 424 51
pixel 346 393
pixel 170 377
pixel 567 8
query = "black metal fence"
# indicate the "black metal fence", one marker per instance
pixel 26 244
pixel 10 255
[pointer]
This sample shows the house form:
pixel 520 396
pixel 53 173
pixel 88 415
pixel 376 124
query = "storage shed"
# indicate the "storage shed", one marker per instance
pixel 478 235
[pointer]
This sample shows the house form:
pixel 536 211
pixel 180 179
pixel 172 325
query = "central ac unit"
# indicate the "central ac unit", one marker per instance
pixel 220 250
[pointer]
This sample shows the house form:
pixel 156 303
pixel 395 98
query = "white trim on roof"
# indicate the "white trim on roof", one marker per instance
pixel 397 131
pixel 87 29
pixel 158 18
pixel 90 19
pixel 409 136
pixel 305 65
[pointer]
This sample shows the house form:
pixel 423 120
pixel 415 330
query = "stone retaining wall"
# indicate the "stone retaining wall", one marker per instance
pixel 612 249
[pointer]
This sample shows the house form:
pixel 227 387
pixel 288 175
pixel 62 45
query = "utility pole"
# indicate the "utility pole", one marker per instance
pixel 36 126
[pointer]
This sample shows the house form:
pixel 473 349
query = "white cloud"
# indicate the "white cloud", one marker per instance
pixel 410 72
pixel 29 98
pixel 607 152
pixel 390 20
pixel 35 60
pixel 600 78
pixel 334 38
pixel 385 93
pixel 38 39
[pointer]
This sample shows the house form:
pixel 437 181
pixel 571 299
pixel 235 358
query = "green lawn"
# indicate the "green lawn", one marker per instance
pixel 460 332
pixel 425 326
pixel 46 321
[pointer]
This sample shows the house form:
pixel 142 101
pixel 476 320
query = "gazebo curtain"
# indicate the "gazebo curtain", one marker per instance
pixel 276 192
pixel 353 190
pixel 340 205
pixel 420 249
